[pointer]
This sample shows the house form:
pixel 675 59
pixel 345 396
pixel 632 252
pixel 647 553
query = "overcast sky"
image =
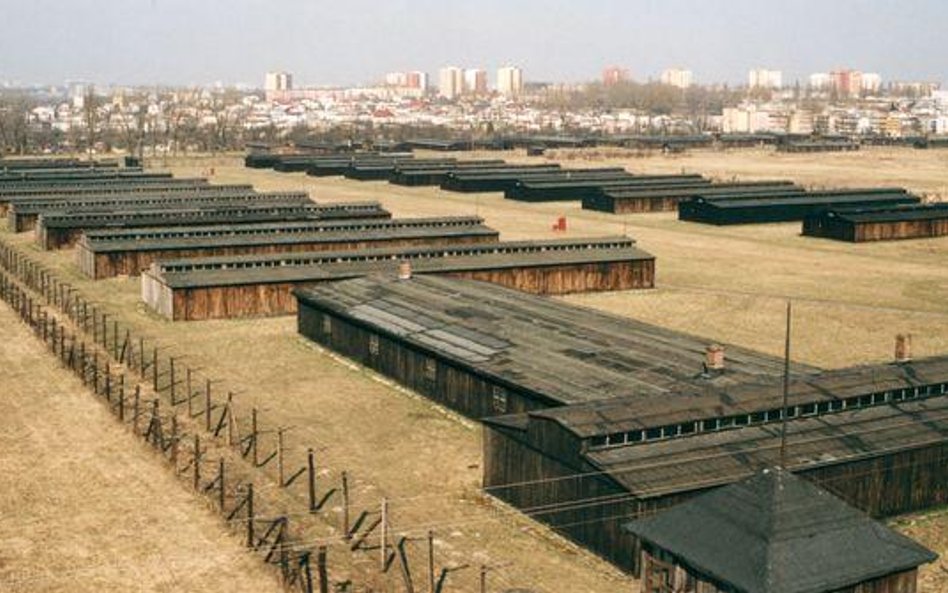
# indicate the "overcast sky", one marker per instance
pixel 357 41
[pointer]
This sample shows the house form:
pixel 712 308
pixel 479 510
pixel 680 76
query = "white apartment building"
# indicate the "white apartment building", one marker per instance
pixel 450 82
pixel 278 81
pixel 761 78
pixel 677 77
pixel 510 81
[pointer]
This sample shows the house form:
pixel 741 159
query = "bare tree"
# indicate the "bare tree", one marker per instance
pixel 91 118
pixel 14 124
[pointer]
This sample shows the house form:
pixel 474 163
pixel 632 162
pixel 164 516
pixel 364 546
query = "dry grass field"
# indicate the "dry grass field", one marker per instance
pixel 727 284
pixel 84 507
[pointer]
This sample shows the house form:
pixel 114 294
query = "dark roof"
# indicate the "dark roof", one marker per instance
pixel 708 459
pixel 813 198
pixel 708 402
pixel 453 233
pixel 340 265
pixel 555 350
pixel 551 248
pixel 777 533
pixel 351 225
pixel 889 213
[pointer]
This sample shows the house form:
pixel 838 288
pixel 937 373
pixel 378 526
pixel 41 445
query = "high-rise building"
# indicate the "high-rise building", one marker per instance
pixel 475 81
pixel 613 75
pixel 417 80
pixel 278 81
pixel 761 78
pixel 450 82
pixel 871 82
pixel 677 77
pixel 819 81
pixel 846 83
pixel 510 81
pixel 396 79
pixel 407 80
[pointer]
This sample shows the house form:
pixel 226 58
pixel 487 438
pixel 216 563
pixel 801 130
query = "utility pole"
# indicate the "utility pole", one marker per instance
pixel 786 392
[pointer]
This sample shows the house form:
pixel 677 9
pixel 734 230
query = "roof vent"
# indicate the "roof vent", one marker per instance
pixel 404 270
pixel 903 348
pixel 714 358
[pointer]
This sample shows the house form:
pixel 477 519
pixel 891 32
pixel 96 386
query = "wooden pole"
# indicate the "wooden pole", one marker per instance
pixel 121 406
pixel 280 457
pixel 122 386
pixel 174 441
pixel 383 536
pixel 345 504
pixel 135 404
pixel 786 392
pixel 190 393
pixel 250 535
pixel 197 461
pixel 82 363
pixel 431 563
pixel 321 569
pixel 231 421
pixel 253 433
pixel 483 579
pixel 220 477
pixel 154 368
pixel 207 406
pixel 311 470
pixel 174 402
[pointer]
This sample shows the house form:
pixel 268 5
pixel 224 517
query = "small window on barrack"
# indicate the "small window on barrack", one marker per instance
pixel 499 399
pixel 373 345
pixel 431 369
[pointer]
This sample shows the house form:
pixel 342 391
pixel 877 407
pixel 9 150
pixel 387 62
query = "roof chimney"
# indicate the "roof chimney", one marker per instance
pixel 903 348
pixel 404 270
pixel 714 358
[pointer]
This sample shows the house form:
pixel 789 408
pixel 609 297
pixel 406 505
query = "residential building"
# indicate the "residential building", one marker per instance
pixel 819 81
pixel 677 77
pixel 613 75
pixel 278 81
pixel 871 83
pixel 450 82
pixel 475 81
pixel 761 78
pixel 510 81
pixel 846 83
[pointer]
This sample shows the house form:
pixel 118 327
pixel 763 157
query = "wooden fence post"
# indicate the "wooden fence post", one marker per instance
pixel 154 368
pixel 174 402
pixel 197 461
pixel 135 406
pixel 383 536
pixel 220 477
pixel 345 504
pixel 311 469
pixel 190 393
pixel 431 563
pixel 321 569
pixel 280 473
pixel 207 406
pixel 250 535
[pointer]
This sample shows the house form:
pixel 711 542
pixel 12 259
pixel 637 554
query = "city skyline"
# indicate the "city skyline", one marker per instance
pixel 131 42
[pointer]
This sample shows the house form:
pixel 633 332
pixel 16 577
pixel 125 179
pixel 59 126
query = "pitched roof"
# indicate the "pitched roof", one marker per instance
pixel 554 350
pixel 777 533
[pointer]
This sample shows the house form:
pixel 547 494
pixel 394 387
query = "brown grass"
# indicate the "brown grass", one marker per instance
pixel 723 283
pixel 86 507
